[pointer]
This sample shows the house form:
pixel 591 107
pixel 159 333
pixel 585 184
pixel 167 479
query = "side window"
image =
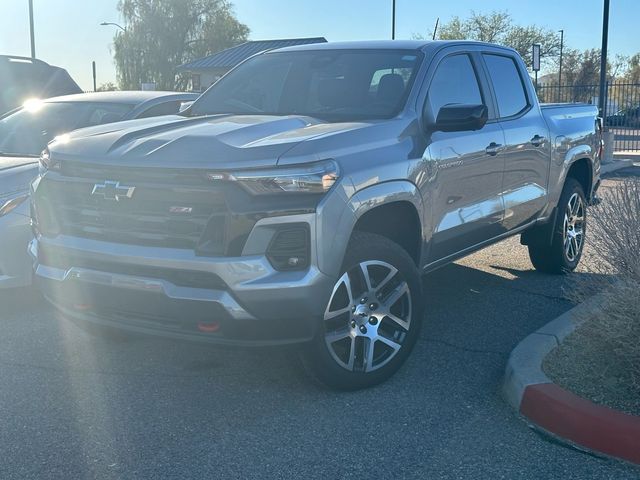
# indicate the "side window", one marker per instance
pixel 455 81
pixel 507 84
pixel 165 108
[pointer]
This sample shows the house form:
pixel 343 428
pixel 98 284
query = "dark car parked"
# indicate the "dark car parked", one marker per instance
pixel 22 78
pixel 627 117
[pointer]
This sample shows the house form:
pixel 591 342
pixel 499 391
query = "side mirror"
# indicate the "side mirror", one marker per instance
pixel 461 117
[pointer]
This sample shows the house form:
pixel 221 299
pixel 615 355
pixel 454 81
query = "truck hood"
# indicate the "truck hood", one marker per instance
pixel 220 141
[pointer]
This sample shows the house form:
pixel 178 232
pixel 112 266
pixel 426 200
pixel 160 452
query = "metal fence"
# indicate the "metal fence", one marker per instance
pixel 622 109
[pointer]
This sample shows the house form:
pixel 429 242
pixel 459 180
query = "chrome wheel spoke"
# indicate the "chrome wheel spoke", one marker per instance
pixel 396 295
pixel 352 354
pixel 336 336
pixel 369 352
pixel 337 313
pixel 385 281
pixel 390 343
pixel 397 320
pixel 365 273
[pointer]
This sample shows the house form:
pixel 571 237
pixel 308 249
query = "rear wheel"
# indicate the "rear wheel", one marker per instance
pixel 565 250
pixel 373 316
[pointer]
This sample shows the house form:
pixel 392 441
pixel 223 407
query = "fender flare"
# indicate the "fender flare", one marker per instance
pixel 357 205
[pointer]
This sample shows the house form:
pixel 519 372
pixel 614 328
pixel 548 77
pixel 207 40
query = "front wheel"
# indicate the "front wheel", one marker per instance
pixel 565 250
pixel 372 319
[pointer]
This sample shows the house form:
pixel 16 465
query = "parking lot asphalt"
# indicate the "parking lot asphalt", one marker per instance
pixel 77 405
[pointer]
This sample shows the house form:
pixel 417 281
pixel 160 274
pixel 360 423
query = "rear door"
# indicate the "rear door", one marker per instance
pixel 463 180
pixel 527 153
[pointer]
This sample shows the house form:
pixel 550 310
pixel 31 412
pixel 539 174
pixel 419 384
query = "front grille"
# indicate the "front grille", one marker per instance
pixel 162 215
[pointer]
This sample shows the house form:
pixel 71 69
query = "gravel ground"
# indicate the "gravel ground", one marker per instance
pixel 586 366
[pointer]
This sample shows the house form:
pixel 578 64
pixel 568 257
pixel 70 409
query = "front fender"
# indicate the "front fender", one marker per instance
pixel 335 230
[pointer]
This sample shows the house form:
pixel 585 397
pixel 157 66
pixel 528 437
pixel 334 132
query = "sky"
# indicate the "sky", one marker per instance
pixel 68 32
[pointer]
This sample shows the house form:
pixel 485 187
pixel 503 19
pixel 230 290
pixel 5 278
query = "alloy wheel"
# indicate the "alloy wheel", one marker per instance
pixel 368 316
pixel 574 223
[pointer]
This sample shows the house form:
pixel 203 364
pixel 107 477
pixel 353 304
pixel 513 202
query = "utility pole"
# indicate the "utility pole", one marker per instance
pixel 33 38
pixel 393 20
pixel 93 66
pixel 560 69
pixel 602 100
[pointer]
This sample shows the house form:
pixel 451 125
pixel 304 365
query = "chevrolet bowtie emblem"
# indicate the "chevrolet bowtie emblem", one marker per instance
pixel 111 190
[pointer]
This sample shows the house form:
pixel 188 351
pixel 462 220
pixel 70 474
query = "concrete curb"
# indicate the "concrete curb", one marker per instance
pixel 564 415
pixel 615 165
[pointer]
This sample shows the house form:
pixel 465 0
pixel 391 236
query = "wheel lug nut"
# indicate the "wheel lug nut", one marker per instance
pixel 373 306
pixel 373 320
pixel 353 309
pixel 353 324
pixel 363 329
pixel 363 300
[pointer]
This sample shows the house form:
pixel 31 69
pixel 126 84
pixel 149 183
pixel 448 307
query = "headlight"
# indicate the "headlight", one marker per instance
pixel 13 203
pixel 316 177
pixel 46 163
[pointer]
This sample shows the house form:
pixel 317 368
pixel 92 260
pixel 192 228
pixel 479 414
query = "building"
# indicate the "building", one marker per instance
pixel 205 71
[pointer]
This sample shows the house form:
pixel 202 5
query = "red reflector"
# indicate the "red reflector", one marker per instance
pixel 208 327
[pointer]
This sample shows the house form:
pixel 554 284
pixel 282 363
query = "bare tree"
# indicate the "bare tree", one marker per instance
pixel 498 27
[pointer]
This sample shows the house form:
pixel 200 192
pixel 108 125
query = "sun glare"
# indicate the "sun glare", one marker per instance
pixel 32 105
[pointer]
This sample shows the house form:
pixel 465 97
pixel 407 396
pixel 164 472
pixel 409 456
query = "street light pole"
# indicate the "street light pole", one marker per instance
pixel 32 34
pixel 115 25
pixel 393 20
pixel 602 103
pixel 560 69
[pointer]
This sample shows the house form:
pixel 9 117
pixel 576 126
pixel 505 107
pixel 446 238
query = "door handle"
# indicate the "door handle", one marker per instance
pixel 493 149
pixel 537 141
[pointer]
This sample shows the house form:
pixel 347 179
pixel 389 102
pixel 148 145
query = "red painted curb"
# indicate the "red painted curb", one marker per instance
pixel 593 426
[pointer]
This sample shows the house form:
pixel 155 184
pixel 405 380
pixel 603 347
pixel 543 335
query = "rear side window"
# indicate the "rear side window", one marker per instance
pixel 507 84
pixel 455 81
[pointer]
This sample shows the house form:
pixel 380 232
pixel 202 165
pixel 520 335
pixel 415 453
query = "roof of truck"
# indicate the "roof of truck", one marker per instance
pixel 384 45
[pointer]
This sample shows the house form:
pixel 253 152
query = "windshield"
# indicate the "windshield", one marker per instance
pixel 27 131
pixel 335 85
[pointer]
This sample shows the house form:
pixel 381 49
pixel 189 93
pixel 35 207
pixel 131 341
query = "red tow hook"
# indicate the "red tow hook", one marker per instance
pixel 82 307
pixel 208 327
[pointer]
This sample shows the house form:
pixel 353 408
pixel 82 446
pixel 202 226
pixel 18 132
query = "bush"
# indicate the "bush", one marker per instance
pixel 615 231
pixel 614 241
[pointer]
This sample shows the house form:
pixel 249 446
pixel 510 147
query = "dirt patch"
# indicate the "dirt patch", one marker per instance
pixel 600 360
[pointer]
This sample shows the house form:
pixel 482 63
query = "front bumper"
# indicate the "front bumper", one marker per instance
pixel 236 301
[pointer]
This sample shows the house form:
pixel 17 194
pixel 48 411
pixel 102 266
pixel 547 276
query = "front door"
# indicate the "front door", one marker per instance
pixel 464 170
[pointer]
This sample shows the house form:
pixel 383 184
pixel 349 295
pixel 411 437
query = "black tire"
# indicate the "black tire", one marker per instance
pixel 377 253
pixel 554 257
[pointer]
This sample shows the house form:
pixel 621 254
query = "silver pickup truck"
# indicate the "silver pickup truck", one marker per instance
pixel 302 196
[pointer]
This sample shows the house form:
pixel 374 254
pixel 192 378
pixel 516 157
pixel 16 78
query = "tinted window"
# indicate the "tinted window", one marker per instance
pixel 507 85
pixel 165 108
pixel 338 85
pixel 454 82
pixel 28 130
